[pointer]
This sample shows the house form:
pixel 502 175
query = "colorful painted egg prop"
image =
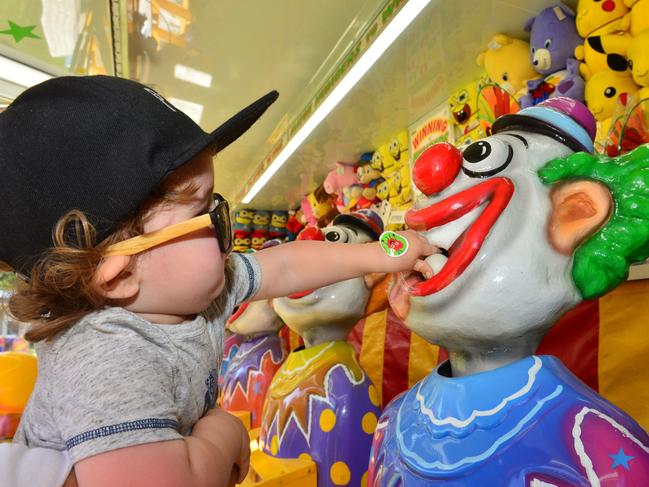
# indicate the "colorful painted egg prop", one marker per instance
pixel 256 361
pixel 321 404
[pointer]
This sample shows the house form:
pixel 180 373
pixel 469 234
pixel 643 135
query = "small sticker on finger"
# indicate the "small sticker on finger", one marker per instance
pixel 393 244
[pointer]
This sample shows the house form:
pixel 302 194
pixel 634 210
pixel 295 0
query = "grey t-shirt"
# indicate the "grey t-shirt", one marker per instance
pixel 115 380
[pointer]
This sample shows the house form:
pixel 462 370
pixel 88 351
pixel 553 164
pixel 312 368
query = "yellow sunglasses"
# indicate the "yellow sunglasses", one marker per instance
pixel 219 216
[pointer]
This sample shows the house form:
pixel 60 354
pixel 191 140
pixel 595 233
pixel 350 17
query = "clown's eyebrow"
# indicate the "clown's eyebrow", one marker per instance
pixel 521 138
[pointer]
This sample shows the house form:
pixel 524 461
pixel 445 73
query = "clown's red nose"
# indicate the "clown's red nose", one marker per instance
pixel 310 233
pixel 436 168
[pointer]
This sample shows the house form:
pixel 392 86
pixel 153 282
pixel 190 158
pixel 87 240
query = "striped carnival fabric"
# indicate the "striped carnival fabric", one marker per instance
pixel 394 358
pixel 605 342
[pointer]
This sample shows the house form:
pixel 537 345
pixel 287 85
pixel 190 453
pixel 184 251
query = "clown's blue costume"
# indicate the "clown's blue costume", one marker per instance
pixel 529 423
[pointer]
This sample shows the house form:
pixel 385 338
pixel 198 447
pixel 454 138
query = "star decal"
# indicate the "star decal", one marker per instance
pixel 620 458
pixel 19 32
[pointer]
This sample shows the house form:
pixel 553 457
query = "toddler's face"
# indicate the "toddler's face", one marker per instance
pixel 180 278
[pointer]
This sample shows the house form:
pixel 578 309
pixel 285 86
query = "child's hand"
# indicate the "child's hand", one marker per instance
pixel 412 260
pixel 225 429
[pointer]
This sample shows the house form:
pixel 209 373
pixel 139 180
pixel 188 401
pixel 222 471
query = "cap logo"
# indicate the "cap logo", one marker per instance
pixel 160 97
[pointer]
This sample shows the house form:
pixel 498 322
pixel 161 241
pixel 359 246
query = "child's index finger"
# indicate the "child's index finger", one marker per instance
pixel 426 247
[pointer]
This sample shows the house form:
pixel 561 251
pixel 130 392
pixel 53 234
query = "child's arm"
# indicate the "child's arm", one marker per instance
pixel 216 454
pixel 302 265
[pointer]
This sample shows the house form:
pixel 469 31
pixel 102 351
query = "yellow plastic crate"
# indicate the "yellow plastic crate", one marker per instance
pixel 244 416
pixel 268 471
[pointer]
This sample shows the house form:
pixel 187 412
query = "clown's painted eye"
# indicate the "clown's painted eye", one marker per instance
pixel 505 77
pixel 336 234
pixel 547 43
pixel 486 157
pixel 610 92
pixel 462 98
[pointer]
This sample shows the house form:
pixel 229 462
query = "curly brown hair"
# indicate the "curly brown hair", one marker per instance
pixel 60 290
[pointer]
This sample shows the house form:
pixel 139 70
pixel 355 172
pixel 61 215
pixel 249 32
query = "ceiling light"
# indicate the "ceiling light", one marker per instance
pixel 405 16
pixel 21 74
pixel 191 109
pixel 192 75
pixel 60 23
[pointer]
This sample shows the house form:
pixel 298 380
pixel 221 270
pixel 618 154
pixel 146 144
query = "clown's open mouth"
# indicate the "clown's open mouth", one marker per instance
pixel 491 197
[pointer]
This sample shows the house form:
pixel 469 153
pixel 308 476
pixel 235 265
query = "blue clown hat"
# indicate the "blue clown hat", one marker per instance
pixel 563 119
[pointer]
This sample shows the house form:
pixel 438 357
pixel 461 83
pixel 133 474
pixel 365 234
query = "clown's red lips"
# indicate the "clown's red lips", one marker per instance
pixel 300 294
pixel 238 313
pixel 495 194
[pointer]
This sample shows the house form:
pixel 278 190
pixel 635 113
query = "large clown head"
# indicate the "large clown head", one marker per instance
pixel 505 273
pixel 329 313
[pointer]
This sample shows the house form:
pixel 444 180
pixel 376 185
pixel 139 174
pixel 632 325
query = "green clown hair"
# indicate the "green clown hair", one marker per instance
pixel 602 262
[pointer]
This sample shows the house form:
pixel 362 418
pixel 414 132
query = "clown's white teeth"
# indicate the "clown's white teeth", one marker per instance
pixel 436 262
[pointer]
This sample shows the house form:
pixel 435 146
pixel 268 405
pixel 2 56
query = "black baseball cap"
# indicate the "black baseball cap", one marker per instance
pixel 99 144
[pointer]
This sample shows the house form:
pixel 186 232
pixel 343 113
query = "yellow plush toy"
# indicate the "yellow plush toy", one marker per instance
pixel 405 194
pixel 601 94
pixel 389 158
pixel 383 190
pixel 603 52
pixel 244 216
pixel 463 110
pixel 639 62
pixel 601 23
pixel 599 16
pixel 399 190
pixel 603 89
pixel 383 162
pixel 638 19
pixel 507 62
pixel 398 148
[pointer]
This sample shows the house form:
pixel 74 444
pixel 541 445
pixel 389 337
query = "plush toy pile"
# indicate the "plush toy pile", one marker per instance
pixel 598 54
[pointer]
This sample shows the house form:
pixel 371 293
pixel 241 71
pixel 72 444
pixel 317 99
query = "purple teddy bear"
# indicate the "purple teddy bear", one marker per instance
pixel 553 38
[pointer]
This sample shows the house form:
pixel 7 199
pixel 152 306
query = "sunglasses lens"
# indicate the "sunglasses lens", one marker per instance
pixel 226 230
pixel 221 221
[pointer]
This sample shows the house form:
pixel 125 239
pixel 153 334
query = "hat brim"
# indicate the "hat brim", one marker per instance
pixel 237 125
pixel 229 131
pixel 514 121
pixel 355 222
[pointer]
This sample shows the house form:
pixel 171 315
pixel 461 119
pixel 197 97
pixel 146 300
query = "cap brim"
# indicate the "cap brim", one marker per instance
pixel 237 125
pixel 514 121
pixel 227 132
pixel 355 222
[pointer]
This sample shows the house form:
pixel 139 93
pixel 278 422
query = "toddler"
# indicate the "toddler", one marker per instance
pixel 127 279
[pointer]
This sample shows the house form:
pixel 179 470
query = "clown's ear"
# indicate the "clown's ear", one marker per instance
pixel 579 209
